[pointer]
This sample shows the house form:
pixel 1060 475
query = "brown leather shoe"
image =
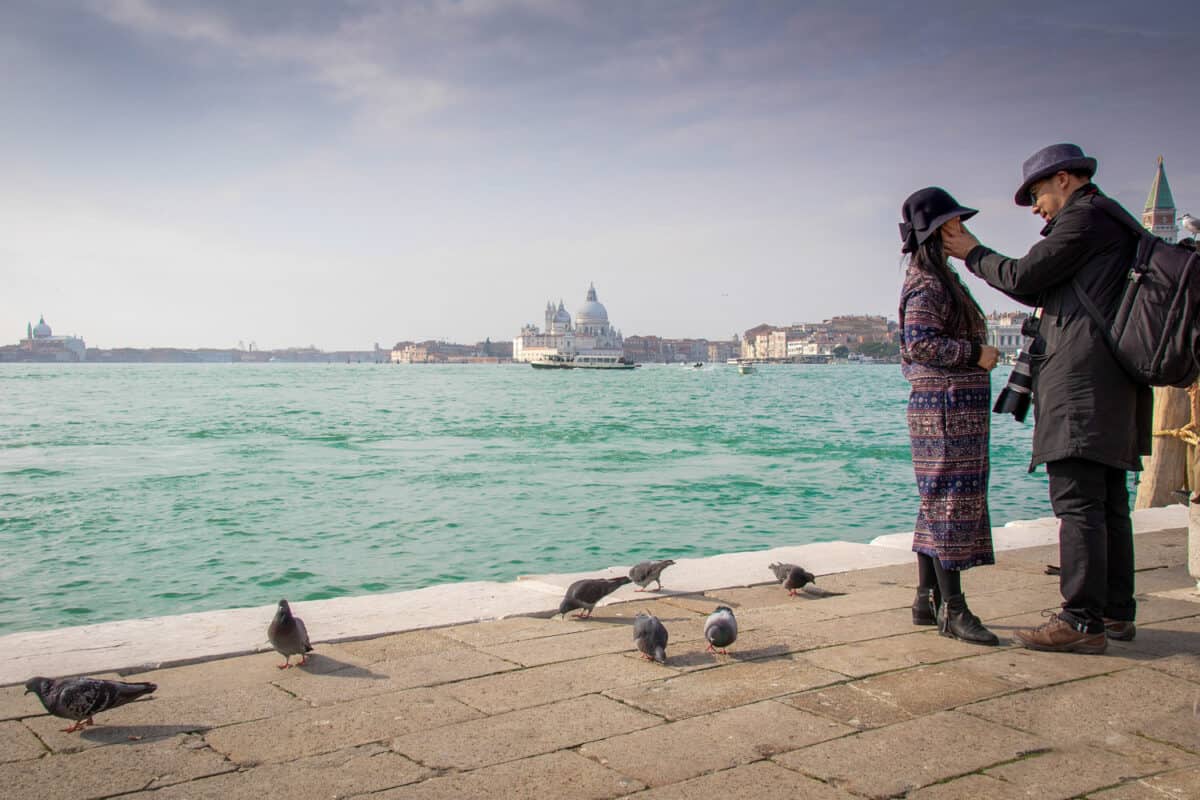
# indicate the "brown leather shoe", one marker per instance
pixel 1059 636
pixel 1120 630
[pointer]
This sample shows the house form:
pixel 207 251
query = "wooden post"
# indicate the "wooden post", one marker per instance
pixel 1167 469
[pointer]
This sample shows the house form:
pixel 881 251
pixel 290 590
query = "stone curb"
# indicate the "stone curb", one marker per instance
pixel 156 642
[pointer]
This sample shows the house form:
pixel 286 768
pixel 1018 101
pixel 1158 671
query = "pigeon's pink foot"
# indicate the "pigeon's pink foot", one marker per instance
pixel 710 649
pixel 641 590
pixel 80 725
pixel 284 665
pixel 303 660
pixel 792 593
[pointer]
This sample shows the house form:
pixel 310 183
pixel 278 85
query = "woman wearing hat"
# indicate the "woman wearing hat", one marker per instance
pixel 944 357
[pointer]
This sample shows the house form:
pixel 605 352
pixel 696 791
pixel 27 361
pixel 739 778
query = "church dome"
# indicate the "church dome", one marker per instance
pixel 562 315
pixel 41 330
pixel 592 310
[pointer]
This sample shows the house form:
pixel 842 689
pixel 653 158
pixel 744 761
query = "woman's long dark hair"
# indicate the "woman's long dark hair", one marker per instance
pixel 965 317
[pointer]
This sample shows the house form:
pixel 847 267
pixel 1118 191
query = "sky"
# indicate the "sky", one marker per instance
pixel 195 174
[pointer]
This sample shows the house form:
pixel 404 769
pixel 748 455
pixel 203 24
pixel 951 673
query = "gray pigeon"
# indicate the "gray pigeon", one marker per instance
pixel 642 574
pixel 288 635
pixel 792 577
pixel 80 698
pixel 584 594
pixel 650 637
pixel 720 629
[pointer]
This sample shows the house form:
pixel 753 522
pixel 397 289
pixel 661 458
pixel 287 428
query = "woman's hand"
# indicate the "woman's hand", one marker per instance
pixel 988 356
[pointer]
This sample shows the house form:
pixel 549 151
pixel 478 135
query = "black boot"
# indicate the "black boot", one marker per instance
pixel 956 621
pixel 925 606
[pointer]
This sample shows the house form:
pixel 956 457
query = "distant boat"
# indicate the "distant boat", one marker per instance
pixel 582 361
pixel 698 365
pixel 745 369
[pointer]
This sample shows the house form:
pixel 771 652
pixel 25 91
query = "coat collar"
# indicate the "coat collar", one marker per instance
pixel 1087 190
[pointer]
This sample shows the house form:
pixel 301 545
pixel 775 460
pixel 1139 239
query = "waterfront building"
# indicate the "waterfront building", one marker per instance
pixel 1158 216
pixel 589 333
pixel 1004 332
pixel 40 344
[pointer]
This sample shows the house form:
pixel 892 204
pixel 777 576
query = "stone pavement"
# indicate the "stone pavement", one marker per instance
pixel 839 697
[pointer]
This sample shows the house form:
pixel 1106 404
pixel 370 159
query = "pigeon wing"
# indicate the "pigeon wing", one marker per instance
pixel 641 573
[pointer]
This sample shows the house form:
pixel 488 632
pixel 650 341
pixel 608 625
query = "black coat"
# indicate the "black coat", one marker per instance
pixel 1085 406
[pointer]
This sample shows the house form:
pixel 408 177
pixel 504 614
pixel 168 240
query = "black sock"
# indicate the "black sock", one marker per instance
pixel 949 580
pixel 926 574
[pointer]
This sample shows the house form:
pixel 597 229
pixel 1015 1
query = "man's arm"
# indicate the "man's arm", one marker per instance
pixel 1048 263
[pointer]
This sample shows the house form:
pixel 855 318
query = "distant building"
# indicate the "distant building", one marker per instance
pixel 1004 332
pixel 1158 216
pixel 589 334
pixel 40 344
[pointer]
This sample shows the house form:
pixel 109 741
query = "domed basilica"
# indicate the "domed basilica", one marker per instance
pixel 589 334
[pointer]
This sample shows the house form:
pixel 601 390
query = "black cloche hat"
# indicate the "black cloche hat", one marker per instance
pixel 924 212
pixel 1049 160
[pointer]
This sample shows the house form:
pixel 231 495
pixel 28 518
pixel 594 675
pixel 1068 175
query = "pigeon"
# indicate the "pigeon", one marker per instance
pixel 80 698
pixel 792 577
pixel 720 629
pixel 1191 224
pixel 584 594
pixel 650 637
pixel 642 574
pixel 288 635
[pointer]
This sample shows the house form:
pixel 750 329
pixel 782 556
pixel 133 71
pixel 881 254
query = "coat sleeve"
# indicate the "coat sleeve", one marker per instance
pixel 924 334
pixel 1051 261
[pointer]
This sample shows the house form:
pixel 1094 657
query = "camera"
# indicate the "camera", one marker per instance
pixel 1018 392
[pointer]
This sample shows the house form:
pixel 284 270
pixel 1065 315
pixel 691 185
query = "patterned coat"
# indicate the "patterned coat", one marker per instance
pixel 948 424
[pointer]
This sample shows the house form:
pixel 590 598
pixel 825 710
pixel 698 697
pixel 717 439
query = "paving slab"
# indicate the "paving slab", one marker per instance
pixel 970 786
pixel 381 677
pixel 550 683
pixel 106 771
pixel 1027 669
pixel 885 762
pixel 912 693
pixel 871 657
pixel 1184 665
pixel 166 714
pixel 760 779
pixel 1182 784
pixel 330 728
pixel 1067 772
pixel 344 773
pixel 580 644
pixel 555 776
pixel 724 687
pixel 402 645
pixel 17 743
pixel 682 750
pixel 520 734
pixel 1133 701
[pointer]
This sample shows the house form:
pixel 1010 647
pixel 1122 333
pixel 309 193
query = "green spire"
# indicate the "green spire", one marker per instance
pixel 1160 191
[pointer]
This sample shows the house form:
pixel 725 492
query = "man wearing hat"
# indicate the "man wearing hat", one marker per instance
pixel 1092 423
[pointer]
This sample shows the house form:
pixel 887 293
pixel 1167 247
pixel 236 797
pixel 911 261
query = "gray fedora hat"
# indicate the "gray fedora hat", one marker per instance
pixel 1049 160
pixel 926 210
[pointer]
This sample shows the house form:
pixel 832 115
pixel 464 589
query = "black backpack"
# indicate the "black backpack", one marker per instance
pixel 1153 334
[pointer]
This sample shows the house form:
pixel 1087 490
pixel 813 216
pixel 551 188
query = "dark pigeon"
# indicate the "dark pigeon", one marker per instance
pixel 720 629
pixel 642 574
pixel 650 636
pixel 79 699
pixel 792 577
pixel 288 635
pixel 584 594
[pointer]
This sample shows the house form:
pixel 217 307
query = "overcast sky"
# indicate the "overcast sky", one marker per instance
pixel 344 173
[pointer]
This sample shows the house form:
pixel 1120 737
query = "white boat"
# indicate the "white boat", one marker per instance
pixel 582 361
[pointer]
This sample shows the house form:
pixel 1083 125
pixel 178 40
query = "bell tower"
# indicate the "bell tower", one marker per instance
pixel 1159 215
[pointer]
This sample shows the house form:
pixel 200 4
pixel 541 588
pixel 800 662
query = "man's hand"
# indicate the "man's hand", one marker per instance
pixel 957 241
pixel 988 356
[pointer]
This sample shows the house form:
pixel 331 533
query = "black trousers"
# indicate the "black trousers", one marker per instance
pixel 1095 540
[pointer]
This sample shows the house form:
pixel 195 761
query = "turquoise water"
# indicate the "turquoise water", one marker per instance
pixel 138 490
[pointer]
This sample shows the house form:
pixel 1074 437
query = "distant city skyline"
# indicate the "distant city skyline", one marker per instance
pixel 192 174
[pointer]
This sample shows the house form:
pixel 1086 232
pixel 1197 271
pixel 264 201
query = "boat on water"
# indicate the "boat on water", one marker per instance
pixel 582 361
pixel 745 369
